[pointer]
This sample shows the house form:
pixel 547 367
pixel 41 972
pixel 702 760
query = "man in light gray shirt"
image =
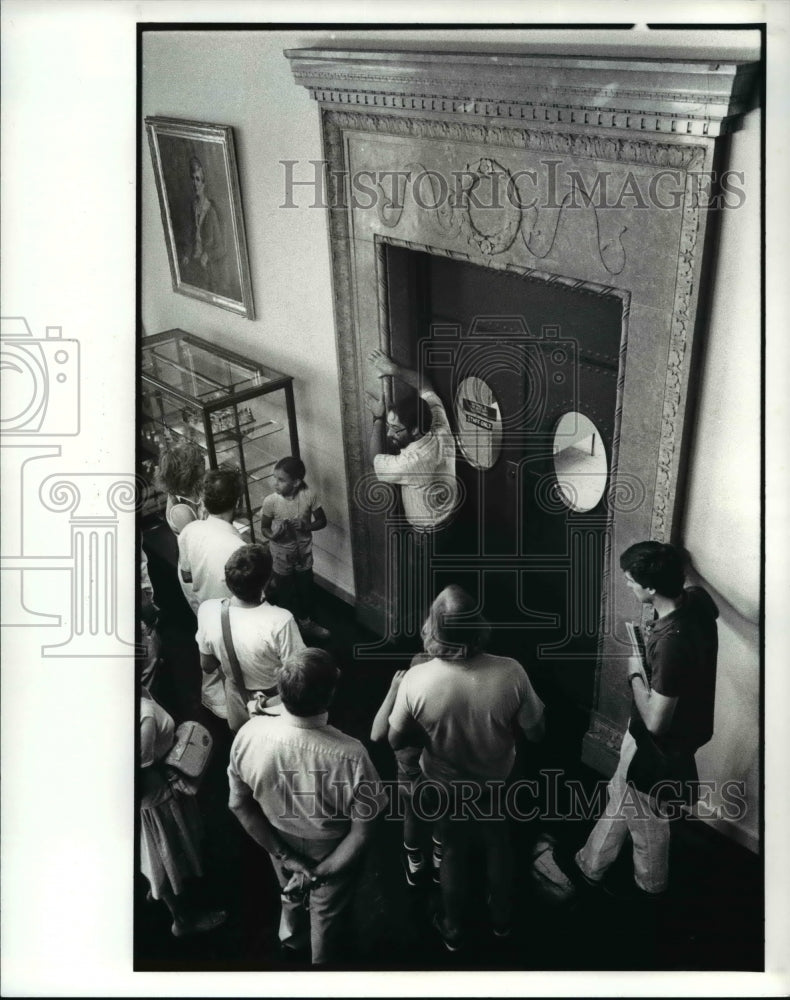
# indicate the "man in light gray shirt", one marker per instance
pixel 307 793
pixel 465 705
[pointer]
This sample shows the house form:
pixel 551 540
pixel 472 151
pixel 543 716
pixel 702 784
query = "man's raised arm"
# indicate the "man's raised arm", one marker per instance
pixel 385 366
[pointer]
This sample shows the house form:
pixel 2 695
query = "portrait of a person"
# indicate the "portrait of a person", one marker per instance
pixel 203 255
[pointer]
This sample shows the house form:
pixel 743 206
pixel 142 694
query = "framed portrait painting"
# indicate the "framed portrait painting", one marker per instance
pixel 197 181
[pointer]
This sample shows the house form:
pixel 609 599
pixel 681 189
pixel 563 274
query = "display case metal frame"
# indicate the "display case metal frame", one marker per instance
pixel 227 398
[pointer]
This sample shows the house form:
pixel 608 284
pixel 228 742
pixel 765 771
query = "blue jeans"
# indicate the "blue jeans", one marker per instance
pixel 628 811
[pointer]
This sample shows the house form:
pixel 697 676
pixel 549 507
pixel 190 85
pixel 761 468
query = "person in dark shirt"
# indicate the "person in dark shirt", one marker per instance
pixel 671 718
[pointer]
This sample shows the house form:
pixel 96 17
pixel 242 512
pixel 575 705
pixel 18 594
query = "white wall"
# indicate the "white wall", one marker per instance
pixel 244 80
pixel 722 520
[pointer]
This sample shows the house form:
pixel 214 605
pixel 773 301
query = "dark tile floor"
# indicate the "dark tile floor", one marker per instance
pixel 711 919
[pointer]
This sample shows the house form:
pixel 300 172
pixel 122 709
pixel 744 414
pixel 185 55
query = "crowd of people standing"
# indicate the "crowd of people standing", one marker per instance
pixel 310 795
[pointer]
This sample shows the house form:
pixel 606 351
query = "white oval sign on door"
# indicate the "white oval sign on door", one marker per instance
pixel 479 422
pixel 580 463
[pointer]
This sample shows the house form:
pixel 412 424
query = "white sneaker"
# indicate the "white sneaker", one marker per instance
pixel 414 866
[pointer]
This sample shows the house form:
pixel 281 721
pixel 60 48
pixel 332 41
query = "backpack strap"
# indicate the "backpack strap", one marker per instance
pixel 227 638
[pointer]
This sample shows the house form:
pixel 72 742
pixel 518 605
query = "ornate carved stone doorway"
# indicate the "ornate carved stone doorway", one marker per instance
pixel 593 173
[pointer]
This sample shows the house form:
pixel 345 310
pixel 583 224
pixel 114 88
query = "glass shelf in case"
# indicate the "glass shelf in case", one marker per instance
pixel 238 411
pixel 200 370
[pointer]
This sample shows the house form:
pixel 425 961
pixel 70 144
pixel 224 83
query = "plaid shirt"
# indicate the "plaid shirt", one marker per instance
pixel 425 471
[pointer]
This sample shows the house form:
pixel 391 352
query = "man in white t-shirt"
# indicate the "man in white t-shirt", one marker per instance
pixel 203 549
pixel 263 635
pixel 415 448
pixel 465 705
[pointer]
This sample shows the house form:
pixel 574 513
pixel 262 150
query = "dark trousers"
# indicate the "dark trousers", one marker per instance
pixel 295 593
pixel 470 819
pixel 420 564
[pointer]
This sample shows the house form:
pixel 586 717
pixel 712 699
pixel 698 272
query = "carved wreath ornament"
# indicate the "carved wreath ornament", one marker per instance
pixel 454 211
pixel 489 243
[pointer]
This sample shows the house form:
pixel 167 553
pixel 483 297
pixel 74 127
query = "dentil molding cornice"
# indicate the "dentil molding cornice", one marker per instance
pixel 670 97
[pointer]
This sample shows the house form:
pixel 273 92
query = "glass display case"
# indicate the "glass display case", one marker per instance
pixel 238 411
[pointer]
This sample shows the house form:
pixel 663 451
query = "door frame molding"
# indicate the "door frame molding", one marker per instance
pixel 413 112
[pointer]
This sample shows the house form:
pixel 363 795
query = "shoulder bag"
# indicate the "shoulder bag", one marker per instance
pixel 188 757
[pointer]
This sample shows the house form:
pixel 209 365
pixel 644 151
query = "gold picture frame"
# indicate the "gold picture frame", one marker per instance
pixel 197 181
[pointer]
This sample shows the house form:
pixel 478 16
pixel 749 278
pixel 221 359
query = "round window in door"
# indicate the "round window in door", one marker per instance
pixel 580 463
pixel 479 423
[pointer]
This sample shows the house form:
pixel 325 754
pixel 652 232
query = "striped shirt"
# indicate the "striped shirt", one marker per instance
pixel 425 471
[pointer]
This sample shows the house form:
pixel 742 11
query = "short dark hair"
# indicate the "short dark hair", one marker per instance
pixel 181 468
pixel 247 572
pixel 454 628
pixel 221 489
pixel 412 411
pixel 307 681
pixel 655 565
pixel 293 467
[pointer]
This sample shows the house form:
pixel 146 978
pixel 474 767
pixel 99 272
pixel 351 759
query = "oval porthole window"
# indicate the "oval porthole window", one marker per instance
pixel 580 463
pixel 479 423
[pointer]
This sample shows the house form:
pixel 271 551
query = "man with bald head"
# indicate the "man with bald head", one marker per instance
pixel 465 705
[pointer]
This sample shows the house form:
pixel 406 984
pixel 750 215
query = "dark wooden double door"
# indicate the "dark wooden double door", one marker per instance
pixel 534 351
